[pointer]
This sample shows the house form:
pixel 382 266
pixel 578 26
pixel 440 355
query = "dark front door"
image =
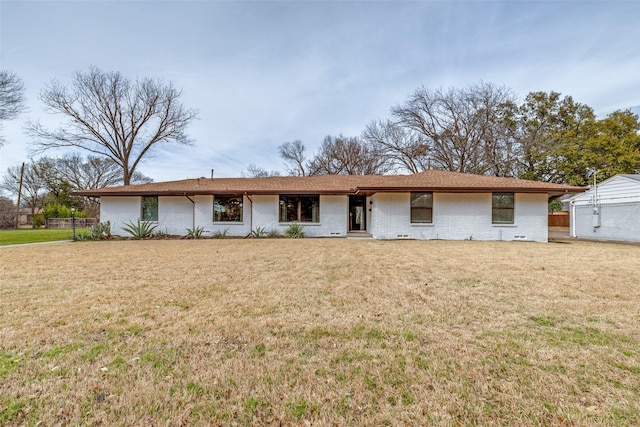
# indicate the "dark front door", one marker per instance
pixel 357 213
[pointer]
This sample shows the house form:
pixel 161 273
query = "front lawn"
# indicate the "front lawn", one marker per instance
pixel 320 332
pixel 20 236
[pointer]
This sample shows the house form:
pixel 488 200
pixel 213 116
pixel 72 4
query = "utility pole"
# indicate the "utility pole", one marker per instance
pixel 19 194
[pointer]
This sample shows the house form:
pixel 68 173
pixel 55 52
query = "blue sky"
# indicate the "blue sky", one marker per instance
pixel 265 72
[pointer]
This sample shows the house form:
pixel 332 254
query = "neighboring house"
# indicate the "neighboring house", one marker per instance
pixel 608 211
pixel 25 217
pixel 427 205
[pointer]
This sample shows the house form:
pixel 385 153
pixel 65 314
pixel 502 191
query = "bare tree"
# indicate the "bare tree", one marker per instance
pixel 7 213
pixel 34 187
pixel 463 127
pixel 293 154
pixel 93 172
pixel 12 101
pixel 401 147
pixel 255 171
pixel 347 156
pixel 111 116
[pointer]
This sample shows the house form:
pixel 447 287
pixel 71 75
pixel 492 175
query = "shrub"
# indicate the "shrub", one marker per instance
pixel 195 233
pixel 140 230
pixel 295 231
pixel 57 211
pixel 38 221
pixel 555 206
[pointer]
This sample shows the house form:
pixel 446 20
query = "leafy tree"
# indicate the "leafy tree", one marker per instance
pixel 12 101
pixel 548 128
pixel 555 205
pixel 612 146
pixel 110 116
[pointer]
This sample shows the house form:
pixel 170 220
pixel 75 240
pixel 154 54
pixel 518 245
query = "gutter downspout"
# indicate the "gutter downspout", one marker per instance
pixel 572 218
pixel 193 212
pixel 250 211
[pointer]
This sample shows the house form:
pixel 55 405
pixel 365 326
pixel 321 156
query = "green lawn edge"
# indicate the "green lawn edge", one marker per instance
pixel 23 236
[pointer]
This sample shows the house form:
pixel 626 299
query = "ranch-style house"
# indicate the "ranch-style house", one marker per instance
pixel 427 205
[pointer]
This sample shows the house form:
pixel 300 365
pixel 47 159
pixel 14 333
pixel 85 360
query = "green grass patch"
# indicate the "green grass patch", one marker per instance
pixel 12 410
pixel 94 352
pixel 58 351
pixel 302 408
pixel 8 362
pixel 22 236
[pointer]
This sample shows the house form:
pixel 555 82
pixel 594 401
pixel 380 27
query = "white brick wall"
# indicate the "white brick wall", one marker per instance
pixel 458 217
pixel 455 216
pixel 119 211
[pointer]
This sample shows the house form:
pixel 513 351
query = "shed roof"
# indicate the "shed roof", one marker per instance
pixel 432 180
pixel 621 188
pixel 635 177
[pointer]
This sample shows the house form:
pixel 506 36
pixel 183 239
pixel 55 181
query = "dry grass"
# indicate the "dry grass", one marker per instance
pixel 322 332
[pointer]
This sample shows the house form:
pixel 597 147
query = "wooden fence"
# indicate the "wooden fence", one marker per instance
pixel 54 223
pixel 559 219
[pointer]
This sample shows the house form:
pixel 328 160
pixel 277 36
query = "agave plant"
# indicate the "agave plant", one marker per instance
pixel 140 230
pixel 83 235
pixel 195 233
pixel 258 232
pixel 101 231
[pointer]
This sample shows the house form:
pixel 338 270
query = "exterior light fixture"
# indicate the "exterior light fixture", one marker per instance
pixel 73 222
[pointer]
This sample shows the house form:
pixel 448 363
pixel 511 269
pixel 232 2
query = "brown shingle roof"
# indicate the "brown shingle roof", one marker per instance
pixel 431 180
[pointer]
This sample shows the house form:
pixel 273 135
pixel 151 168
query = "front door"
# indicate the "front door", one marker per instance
pixel 357 213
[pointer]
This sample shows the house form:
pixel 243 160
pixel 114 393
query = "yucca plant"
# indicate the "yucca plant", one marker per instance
pixel 295 231
pixel 140 230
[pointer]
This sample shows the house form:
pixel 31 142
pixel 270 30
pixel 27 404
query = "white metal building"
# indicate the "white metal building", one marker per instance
pixel 608 211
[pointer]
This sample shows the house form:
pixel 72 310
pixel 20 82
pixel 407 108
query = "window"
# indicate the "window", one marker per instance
pixel 227 208
pixel 149 208
pixel 422 208
pixel 502 208
pixel 299 208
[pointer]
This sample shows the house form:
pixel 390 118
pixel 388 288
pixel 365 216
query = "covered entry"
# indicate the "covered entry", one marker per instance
pixel 357 213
